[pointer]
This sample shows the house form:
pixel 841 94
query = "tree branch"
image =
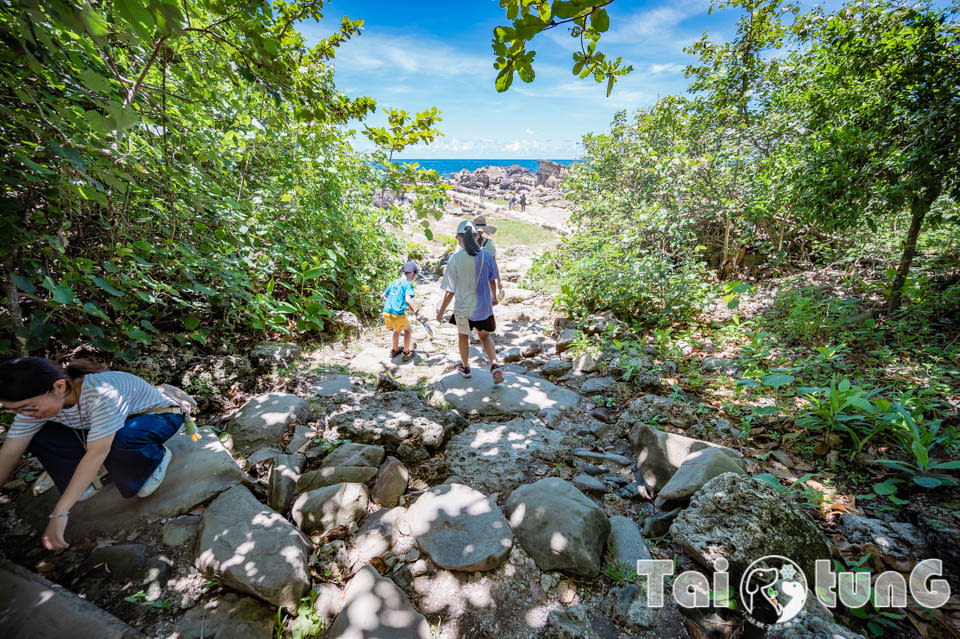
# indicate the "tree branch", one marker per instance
pixel 132 93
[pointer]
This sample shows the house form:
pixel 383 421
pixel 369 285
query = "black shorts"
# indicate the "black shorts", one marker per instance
pixel 489 324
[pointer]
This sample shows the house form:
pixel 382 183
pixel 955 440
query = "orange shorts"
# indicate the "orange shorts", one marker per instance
pixel 395 322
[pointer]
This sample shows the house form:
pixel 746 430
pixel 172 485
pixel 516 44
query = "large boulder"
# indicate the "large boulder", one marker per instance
pixel 742 519
pixel 263 420
pixel 560 527
pixel 395 417
pixel 282 482
pixel 375 608
pixel 345 324
pixel 321 510
pixel 664 410
pixel 253 549
pixel 331 475
pixel 216 374
pixel 627 605
pixel 229 616
pixel 660 454
pixel 460 528
pixel 31 606
pixel 499 456
pixel 518 394
pixel 351 454
pixel 268 357
pixel 896 541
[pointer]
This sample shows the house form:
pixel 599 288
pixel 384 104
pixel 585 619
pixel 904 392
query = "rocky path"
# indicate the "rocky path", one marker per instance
pixel 395 499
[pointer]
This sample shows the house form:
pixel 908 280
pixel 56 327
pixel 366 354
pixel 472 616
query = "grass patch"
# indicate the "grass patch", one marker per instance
pixel 497 201
pixel 514 232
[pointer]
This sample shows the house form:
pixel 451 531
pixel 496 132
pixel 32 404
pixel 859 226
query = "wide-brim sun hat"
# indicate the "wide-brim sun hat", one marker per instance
pixel 466 227
pixel 481 222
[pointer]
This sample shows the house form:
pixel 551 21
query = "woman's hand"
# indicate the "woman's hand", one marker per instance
pixel 440 317
pixel 53 536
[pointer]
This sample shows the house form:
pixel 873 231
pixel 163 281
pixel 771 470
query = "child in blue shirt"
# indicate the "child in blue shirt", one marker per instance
pixel 398 296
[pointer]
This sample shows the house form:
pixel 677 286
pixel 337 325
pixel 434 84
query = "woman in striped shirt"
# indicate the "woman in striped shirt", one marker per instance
pixel 79 418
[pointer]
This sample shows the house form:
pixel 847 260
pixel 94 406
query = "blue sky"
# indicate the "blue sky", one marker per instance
pixel 413 55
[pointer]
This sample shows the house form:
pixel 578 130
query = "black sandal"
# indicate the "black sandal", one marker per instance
pixel 408 355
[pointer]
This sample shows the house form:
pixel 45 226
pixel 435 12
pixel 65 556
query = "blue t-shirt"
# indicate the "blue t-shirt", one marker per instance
pixel 397 293
pixel 488 272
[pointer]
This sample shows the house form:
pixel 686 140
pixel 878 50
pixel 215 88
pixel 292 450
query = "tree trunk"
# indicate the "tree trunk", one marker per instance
pixel 13 306
pixel 919 207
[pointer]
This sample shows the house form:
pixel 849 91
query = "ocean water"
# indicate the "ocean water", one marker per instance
pixel 448 167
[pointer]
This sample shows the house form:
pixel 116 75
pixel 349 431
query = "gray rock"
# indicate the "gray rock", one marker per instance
pixel 616 480
pixel 697 469
pixel 585 364
pixel 332 385
pixel 806 626
pixel 550 416
pixel 374 360
pixel 555 368
pixel 268 357
pixel 218 372
pixel 657 524
pixel 595 385
pixel 530 350
pixel 627 542
pixel 300 441
pixel 31 606
pixel 632 491
pixel 602 414
pixel 719 365
pixel 599 429
pixel 497 457
pixel 664 410
pixel 566 338
pixel 660 453
pixel 282 482
pixel 322 477
pixel 560 527
pixel 108 513
pixel 512 354
pixel 391 483
pixel 351 454
pixel 518 394
pixel 385 531
pixel 181 532
pixel 393 418
pixel 586 453
pixel 124 561
pixel 263 420
pixel 253 549
pixel 228 616
pixel 321 510
pixel 261 455
pixel 345 324
pixel 743 519
pixel 590 469
pixel 590 484
pixel 375 608
pixel 460 528
pixel 627 605
pixel 899 540
pixel 328 602
pixel 570 623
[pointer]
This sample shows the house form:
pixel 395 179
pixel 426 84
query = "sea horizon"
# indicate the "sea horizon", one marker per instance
pixel 448 166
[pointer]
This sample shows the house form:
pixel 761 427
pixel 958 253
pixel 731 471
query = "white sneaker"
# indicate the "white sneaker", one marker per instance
pixel 95 487
pixel 153 481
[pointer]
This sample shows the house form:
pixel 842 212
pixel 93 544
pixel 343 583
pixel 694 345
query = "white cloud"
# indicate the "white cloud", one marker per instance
pixel 401 55
pixel 667 68
pixel 528 131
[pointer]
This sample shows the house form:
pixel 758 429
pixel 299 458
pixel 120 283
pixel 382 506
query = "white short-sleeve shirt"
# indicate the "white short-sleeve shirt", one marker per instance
pixel 106 400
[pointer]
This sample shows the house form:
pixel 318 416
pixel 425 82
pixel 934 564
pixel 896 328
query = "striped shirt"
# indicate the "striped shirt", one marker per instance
pixel 106 399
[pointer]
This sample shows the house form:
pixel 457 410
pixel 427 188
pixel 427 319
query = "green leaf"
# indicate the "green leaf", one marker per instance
pixel 107 286
pixel 927 482
pixel 920 452
pixel 776 380
pixel 951 465
pixel 860 403
pixel 24 284
pixel 94 310
pixel 93 22
pixel 844 385
pixel 770 480
pixel 191 323
pixel 94 81
pixel 505 78
pixel 599 20
pixel 313 274
pixel 137 17
pixel 63 294
pixel 884 488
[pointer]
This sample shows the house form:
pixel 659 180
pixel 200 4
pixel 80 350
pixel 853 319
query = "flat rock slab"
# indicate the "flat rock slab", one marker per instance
pixel 460 528
pixel 374 360
pixel 351 454
pixel 198 472
pixel 613 458
pixel 697 469
pixel 375 608
pixel 263 419
pixel 332 385
pixel 391 418
pixel 334 475
pixel 499 456
pixel 229 616
pixel 253 549
pixel 323 509
pixel 517 394
pixel 627 543
pixel 31 606
pixel 660 454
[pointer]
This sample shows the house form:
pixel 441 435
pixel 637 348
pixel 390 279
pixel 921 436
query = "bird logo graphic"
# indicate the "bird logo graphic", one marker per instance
pixel 773 590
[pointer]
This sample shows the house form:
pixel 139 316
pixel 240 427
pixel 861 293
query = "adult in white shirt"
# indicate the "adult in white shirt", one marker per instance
pixel 469 280
pixel 75 420
pixel 484 231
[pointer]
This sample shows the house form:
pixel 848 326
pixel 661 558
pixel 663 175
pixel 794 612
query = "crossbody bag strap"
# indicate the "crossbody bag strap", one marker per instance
pixel 480 272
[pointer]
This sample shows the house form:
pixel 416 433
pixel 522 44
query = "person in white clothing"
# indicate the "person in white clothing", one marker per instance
pixel 75 420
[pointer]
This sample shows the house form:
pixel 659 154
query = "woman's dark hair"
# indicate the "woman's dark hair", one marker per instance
pixel 470 243
pixel 25 377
